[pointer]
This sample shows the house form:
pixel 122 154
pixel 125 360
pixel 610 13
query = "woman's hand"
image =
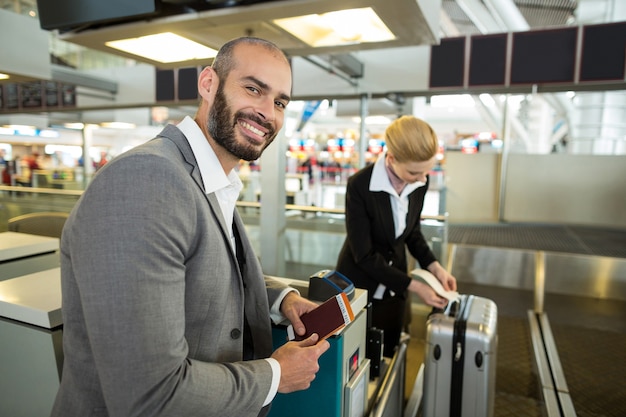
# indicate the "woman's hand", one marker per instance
pixel 427 294
pixel 446 279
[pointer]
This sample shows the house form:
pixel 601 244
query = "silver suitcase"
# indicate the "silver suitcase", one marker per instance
pixel 460 359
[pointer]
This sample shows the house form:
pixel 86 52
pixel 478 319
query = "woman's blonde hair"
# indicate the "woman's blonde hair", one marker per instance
pixel 410 139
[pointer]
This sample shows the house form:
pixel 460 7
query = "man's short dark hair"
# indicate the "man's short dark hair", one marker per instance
pixel 224 60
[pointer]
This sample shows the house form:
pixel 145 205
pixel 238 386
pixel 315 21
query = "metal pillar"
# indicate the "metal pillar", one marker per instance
pixel 273 198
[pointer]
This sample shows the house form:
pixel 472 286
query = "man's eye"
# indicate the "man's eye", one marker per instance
pixel 280 104
pixel 253 89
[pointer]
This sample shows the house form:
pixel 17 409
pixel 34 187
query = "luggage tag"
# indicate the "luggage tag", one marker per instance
pixel 431 280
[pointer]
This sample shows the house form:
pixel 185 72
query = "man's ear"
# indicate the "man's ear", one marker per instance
pixel 207 83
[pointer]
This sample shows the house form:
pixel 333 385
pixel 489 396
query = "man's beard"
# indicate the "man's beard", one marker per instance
pixel 221 126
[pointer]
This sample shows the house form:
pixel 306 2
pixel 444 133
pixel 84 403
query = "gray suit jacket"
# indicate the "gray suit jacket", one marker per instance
pixel 153 298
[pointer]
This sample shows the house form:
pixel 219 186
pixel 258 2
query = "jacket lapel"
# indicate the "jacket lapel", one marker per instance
pixel 415 198
pixel 176 136
pixel 385 215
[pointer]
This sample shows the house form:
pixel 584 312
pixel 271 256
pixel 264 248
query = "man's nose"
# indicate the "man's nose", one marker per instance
pixel 266 109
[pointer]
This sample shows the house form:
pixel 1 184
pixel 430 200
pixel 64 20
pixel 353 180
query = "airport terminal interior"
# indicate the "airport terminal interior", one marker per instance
pixel 526 205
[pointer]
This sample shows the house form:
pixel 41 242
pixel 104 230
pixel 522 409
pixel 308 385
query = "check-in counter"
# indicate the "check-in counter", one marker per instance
pixel 340 388
pixel 31 355
pixel 23 253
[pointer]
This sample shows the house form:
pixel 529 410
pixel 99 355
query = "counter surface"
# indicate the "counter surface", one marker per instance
pixel 358 302
pixel 33 298
pixel 36 298
pixel 17 245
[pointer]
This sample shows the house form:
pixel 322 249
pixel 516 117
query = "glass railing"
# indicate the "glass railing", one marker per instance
pixel 313 235
pixel 15 201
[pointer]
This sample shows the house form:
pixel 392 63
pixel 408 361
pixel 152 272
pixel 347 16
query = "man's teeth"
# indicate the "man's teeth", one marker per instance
pixel 252 128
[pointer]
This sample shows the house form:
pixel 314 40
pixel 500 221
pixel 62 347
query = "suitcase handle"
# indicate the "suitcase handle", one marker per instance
pixel 453 308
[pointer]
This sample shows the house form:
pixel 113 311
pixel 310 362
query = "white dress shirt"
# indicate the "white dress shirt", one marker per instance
pixel 227 189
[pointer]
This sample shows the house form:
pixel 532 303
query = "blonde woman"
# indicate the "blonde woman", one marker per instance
pixel 384 203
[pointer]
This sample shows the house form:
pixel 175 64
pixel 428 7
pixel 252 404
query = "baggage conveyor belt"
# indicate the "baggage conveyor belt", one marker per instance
pixel 594 366
pixel 593 360
pixel 586 335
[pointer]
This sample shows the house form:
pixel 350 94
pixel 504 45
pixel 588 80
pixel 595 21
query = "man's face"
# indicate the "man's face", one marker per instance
pixel 248 109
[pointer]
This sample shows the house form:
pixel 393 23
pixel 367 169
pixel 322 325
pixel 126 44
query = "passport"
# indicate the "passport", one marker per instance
pixel 327 319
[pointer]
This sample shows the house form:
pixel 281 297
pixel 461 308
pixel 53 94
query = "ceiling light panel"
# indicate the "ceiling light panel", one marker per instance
pixel 164 48
pixel 343 27
pixel 412 22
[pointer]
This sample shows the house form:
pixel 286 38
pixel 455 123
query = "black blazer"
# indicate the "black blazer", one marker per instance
pixel 371 254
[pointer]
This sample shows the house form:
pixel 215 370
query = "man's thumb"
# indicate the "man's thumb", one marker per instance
pixel 310 341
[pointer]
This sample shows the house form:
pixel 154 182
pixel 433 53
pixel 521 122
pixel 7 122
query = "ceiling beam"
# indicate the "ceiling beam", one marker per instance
pixel 481 17
pixel 71 76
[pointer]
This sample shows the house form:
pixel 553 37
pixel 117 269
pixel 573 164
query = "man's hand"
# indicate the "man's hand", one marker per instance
pixel 299 363
pixel 293 306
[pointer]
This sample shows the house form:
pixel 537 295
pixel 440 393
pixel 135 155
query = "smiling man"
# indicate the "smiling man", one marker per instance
pixel 166 310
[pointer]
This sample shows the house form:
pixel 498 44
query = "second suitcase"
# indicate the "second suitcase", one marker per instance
pixel 460 359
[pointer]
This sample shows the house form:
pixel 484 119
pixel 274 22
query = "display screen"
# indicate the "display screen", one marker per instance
pixel 188 83
pixel 165 90
pixel 68 14
pixel 487 60
pixel 543 56
pixel 603 52
pixel 447 63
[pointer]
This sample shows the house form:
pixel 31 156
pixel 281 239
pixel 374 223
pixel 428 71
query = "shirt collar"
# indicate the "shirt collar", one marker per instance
pixel 213 176
pixel 380 180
